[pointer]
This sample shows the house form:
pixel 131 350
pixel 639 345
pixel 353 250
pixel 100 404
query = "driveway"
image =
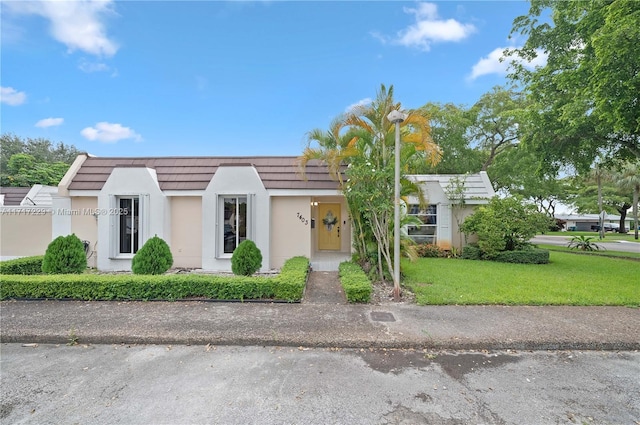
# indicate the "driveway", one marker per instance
pixel 609 242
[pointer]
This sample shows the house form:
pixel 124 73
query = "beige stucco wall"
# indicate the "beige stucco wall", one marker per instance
pixel 290 229
pixel 85 224
pixel 24 231
pixel 459 215
pixel 186 231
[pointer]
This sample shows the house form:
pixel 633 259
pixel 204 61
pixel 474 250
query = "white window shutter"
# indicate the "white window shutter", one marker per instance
pixel 144 217
pixel 113 226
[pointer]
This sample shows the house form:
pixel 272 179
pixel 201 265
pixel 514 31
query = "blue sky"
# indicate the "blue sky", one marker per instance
pixel 160 78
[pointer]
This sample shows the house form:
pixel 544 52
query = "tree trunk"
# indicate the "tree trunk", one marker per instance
pixel 600 220
pixel 623 216
pixel 636 194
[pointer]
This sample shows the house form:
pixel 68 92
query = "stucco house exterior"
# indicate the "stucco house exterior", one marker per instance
pixel 25 220
pixel 203 207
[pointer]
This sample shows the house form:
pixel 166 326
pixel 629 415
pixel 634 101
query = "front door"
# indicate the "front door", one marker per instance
pixel 329 225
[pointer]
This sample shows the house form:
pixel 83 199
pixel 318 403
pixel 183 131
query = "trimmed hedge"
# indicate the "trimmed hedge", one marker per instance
pixel 288 286
pixel 357 286
pixel 65 254
pixel 24 265
pixel 292 279
pixel 153 258
pixel 471 252
pixel 246 258
pixel 528 256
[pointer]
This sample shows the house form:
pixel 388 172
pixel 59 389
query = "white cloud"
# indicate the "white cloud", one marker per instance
pixel 77 24
pixel 109 133
pixel 362 102
pixel 49 122
pixel 89 67
pixel 492 64
pixel 429 28
pixel 11 96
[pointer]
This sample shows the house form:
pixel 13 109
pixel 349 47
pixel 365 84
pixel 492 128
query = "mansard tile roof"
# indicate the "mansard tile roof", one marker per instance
pixel 195 173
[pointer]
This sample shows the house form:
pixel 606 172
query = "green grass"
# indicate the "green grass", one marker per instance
pixel 608 236
pixel 568 280
pixel 602 252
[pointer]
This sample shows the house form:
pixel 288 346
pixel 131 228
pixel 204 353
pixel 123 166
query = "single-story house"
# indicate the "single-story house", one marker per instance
pixel 203 207
pixel 25 220
pixel 590 222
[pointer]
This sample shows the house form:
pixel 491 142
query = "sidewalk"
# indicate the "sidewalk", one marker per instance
pixel 323 319
pixel 323 325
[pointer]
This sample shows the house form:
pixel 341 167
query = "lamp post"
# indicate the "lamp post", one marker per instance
pixel 396 117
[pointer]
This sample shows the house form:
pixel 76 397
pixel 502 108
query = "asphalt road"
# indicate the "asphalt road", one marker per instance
pixel 609 242
pixel 101 384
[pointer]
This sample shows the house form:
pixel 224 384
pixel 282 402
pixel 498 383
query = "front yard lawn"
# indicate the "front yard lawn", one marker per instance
pixel 569 279
pixel 608 236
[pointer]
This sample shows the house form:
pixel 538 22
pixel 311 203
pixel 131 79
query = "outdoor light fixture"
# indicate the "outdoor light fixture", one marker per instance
pixel 396 117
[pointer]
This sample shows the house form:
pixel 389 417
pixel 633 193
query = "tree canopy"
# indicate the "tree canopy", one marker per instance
pixel 25 162
pixel 584 101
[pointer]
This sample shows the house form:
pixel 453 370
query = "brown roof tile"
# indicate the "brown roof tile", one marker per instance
pixel 14 195
pixel 195 173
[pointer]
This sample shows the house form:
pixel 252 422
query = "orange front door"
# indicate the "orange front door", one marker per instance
pixel 329 225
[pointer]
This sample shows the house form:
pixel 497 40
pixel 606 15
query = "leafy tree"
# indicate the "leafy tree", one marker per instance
pixel 246 259
pixel 517 172
pixel 588 189
pixel 450 126
pixel 65 254
pixel 153 258
pixel 584 101
pixel 496 121
pixel 504 224
pixel 25 162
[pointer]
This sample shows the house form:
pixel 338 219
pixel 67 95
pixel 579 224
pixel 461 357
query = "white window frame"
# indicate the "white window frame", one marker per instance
pixel 114 220
pixel 220 222
pixel 430 210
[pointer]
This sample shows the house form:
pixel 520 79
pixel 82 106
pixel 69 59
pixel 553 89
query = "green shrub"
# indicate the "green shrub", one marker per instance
pixel 429 250
pixel 357 286
pixel 504 224
pixel 246 259
pixel 24 265
pixel 583 243
pixel 153 258
pixel 527 256
pixel 65 254
pixel 471 252
pixel 288 286
pixel 292 279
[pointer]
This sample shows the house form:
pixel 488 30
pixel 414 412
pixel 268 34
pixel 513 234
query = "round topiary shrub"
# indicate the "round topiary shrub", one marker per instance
pixel 65 254
pixel 153 258
pixel 246 259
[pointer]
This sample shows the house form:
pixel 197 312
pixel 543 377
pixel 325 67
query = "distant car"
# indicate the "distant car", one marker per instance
pixel 611 227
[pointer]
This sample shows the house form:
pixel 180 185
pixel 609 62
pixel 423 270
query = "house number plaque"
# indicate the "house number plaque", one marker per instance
pixel 302 219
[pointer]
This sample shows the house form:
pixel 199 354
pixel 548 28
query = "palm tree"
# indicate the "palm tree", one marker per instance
pixel 376 152
pixel 629 178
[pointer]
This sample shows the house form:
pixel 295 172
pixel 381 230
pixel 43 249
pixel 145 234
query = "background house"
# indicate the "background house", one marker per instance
pixel 25 220
pixel 450 198
pixel 589 222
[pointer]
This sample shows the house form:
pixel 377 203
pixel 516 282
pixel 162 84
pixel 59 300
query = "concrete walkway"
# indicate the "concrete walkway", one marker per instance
pixel 321 321
pixel 324 288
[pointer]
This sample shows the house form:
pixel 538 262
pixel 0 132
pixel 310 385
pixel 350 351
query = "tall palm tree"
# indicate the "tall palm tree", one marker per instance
pixel 377 152
pixel 334 147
